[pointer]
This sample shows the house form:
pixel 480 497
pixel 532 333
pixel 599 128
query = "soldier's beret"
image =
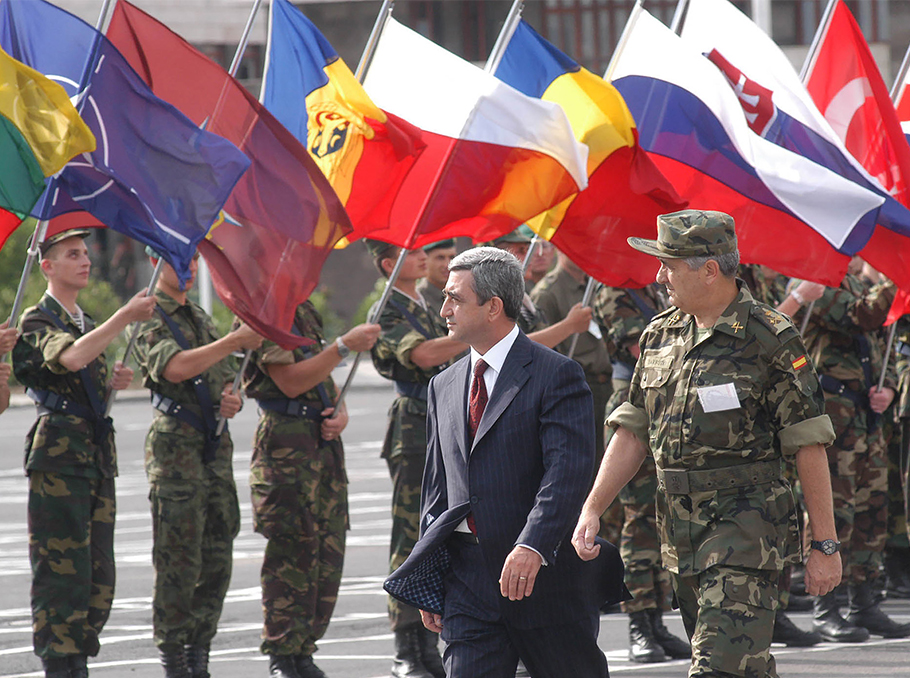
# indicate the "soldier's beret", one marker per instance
pixel 377 248
pixel 690 233
pixel 442 244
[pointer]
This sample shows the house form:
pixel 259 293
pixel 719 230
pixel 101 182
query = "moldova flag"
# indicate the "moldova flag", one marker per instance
pixel 626 192
pixel 363 151
pixel 40 131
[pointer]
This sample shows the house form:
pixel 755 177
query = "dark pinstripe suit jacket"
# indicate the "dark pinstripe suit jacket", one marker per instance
pixel 524 478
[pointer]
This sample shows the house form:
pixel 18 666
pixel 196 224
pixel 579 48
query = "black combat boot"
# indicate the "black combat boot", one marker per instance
pixel 407 662
pixel 429 653
pixel 831 626
pixel 173 660
pixel 78 664
pixel 673 646
pixel 56 667
pixel 197 659
pixel 283 666
pixel 643 646
pixel 306 667
pixel 897 568
pixel 865 612
pixel 788 633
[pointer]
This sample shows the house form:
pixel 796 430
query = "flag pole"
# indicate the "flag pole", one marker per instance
pixel 901 74
pixel 247 354
pixel 385 13
pixel 585 301
pixel 624 38
pixel 32 254
pixel 679 16
pixel 812 55
pixel 530 254
pixel 509 26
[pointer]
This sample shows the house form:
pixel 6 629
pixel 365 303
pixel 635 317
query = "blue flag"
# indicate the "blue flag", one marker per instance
pixel 154 176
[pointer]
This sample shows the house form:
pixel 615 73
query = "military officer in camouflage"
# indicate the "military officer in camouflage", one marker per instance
pixel 8 337
pixel 412 347
pixel 722 390
pixel 439 254
pixel 195 513
pixel 622 315
pixel 70 457
pixel 298 486
pixel 844 343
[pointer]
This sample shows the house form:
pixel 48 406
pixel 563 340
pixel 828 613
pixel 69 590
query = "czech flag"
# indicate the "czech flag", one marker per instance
pixel 781 110
pixel 363 151
pixel 40 131
pixel 494 157
pixel 626 192
pixel 792 214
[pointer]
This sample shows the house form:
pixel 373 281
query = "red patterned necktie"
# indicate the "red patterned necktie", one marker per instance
pixel 478 399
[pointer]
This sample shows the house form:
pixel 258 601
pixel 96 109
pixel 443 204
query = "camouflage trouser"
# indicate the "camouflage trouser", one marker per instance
pixel 646 578
pixel 407 476
pixel 193 528
pixel 71 549
pixel 729 617
pixel 305 523
pixel 859 481
pixel 897 486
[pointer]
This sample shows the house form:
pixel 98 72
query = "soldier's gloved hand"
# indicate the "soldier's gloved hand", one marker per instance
pixel 879 400
pixel 362 337
pixel 579 318
pixel 331 426
pixel 140 307
pixel 246 338
pixel 8 337
pixel 231 403
pixel 121 377
pixel 5 370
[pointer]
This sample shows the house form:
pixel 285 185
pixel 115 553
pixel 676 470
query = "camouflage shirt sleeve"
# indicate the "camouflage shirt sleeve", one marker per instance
pixel 155 347
pixel 852 308
pixel 272 354
pixel 48 344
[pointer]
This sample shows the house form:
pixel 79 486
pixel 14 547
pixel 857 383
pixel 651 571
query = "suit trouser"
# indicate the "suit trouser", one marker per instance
pixel 480 643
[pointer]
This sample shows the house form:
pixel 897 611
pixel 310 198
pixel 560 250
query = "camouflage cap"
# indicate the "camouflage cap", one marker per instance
pixel 61 236
pixel 515 236
pixel 690 233
pixel 377 248
pixel 442 244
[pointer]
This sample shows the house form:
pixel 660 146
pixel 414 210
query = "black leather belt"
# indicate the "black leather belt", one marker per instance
pixel 683 481
pixel 292 408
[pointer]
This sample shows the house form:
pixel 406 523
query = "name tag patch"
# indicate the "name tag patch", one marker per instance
pixel 718 398
pixel 658 362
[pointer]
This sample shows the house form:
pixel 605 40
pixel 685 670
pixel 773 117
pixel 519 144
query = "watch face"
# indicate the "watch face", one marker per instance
pixel 828 546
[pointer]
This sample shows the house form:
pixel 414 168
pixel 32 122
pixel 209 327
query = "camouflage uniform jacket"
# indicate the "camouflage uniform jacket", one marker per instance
pixel 61 443
pixel 405 325
pixel 758 351
pixel 432 295
pixel 771 291
pixel 843 316
pixel 174 447
pixel 902 365
pixel 257 384
pixel 621 320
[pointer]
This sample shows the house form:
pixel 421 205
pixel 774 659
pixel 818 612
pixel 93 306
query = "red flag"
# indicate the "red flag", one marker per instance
pixel 848 89
pixel 899 307
pixel 9 222
pixel 267 249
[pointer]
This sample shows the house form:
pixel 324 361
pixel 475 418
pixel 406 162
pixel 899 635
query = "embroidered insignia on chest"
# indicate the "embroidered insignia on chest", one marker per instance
pixel 799 362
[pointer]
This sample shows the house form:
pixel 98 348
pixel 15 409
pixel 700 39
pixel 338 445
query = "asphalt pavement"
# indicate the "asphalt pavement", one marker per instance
pixel 358 643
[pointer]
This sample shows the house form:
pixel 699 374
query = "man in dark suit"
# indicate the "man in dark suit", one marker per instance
pixel 510 456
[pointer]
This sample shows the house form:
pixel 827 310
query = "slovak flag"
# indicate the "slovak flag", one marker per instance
pixel 792 214
pixel 781 110
pixel 494 157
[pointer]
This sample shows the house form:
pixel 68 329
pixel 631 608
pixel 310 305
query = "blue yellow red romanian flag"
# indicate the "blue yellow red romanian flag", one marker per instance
pixel 626 192
pixel 364 152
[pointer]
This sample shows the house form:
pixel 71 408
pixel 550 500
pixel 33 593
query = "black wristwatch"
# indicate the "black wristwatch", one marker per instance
pixel 829 547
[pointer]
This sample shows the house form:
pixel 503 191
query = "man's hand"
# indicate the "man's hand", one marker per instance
pixel 230 402
pixel 5 371
pixel 579 318
pixel 432 621
pixel 245 338
pixel 583 540
pixel 332 427
pixel 879 400
pixel 362 337
pixel 823 572
pixel 122 376
pixel 519 573
pixel 810 291
pixel 140 307
pixel 8 337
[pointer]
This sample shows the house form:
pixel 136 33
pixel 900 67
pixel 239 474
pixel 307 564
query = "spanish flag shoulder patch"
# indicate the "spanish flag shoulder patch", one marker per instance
pixel 799 362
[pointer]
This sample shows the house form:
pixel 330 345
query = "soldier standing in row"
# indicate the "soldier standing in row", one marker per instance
pixel 70 457
pixel 622 315
pixel 299 486
pixel 439 254
pixel 722 390
pixel 412 348
pixel 8 337
pixel 195 513
pixel 844 344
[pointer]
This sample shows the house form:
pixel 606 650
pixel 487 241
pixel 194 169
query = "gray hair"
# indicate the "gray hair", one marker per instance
pixel 495 273
pixel 727 263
